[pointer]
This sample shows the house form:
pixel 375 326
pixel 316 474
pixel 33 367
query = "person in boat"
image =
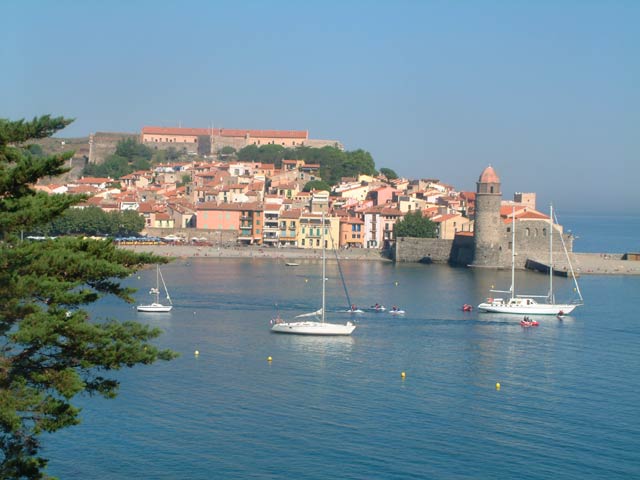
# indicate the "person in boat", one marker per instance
pixel 394 308
pixel 354 308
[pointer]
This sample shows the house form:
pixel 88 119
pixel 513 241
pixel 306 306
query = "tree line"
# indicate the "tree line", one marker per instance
pixel 93 221
pixel 131 155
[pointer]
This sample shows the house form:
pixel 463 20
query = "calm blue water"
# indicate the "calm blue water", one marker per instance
pixel 603 233
pixel 338 408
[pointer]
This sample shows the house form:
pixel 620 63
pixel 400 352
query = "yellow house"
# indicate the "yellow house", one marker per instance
pixel 310 231
pixel 450 224
pixel 162 220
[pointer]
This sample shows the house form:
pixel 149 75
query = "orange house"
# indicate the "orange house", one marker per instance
pixel 351 232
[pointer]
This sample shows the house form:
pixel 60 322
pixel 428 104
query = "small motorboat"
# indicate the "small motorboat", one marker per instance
pixel 466 307
pixel 527 322
pixel 353 309
pixel 396 311
pixel 292 264
pixel 378 308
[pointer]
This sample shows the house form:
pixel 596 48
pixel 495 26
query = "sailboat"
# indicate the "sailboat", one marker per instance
pixel 156 306
pixel 527 304
pixel 321 327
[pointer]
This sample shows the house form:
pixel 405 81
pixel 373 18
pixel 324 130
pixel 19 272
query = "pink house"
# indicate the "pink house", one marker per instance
pixel 217 216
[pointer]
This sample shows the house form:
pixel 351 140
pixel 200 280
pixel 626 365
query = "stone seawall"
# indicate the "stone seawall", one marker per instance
pixel 429 250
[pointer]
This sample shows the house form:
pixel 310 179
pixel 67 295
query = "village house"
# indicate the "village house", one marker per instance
pixel 310 231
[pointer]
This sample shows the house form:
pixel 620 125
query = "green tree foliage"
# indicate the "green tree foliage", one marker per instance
pixel 264 154
pixel 130 156
pixel 316 185
pixel 184 180
pixel 390 174
pixel 334 163
pixel 51 349
pixel 415 225
pixel 227 153
pixel 94 221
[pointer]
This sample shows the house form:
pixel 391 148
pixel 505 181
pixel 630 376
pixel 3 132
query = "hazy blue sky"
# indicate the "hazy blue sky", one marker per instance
pixel 545 91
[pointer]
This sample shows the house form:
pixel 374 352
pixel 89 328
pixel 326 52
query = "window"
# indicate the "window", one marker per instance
pixel 303 242
pixel 527 232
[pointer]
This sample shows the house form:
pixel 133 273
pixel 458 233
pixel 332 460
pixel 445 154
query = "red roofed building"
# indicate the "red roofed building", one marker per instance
pixel 208 141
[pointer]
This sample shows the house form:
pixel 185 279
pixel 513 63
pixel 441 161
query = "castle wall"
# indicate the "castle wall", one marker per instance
pixel 434 250
pixel 102 144
pixel 488 231
pixel 532 241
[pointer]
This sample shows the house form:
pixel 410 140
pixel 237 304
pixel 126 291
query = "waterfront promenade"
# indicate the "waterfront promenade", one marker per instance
pixel 586 263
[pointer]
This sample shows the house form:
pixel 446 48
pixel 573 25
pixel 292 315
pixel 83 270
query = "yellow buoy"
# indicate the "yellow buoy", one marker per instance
pixel 196 353
pixel 403 375
pixel 269 359
pixel 306 280
pixel 498 386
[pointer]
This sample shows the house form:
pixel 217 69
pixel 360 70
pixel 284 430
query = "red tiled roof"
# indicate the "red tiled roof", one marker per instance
pixel 291 214
pixel 225 132
pixel 175 131
pixel 489 175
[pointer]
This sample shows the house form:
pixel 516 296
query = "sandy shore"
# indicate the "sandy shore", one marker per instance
pixel 586 263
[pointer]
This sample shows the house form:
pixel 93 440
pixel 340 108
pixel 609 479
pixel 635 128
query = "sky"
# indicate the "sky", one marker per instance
pixel 546 92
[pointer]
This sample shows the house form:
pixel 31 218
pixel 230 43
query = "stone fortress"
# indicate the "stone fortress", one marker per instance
pixel 491 244
pixel 493 224
pixel 210 141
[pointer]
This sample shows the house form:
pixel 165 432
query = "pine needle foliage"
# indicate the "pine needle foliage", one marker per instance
pixel 50 349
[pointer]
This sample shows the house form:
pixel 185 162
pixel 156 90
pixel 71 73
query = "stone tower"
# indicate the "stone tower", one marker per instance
pixel 489 230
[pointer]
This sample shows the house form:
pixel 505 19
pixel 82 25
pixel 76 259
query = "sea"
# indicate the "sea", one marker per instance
pixel 481 396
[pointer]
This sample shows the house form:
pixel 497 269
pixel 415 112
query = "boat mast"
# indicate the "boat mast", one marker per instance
pixel 513 252
pixel 573 274
pixel 551 299
pixel 324 267
pixel 157 283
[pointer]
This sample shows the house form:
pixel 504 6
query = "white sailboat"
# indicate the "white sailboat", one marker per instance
pixel 315 327
pixel 156 306
pixel 527 304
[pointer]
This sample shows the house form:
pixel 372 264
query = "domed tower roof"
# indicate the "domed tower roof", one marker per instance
pixel 489 182
pixel 489 175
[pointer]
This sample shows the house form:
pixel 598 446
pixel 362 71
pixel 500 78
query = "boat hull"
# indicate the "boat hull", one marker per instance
pixel 535 309
pixel 155 308
pixel 313 328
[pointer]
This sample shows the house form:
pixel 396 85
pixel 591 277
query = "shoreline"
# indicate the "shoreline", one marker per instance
pixel 192 251
pixel 586 263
